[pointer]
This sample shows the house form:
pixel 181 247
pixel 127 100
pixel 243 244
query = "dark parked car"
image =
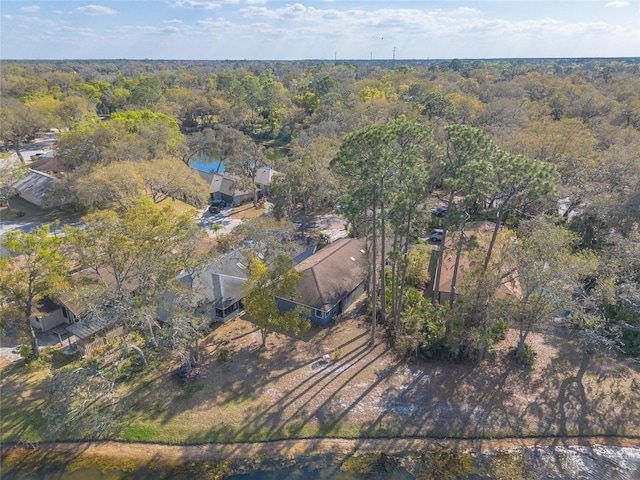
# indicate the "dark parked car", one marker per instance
pixel 217 206
pixel 439 212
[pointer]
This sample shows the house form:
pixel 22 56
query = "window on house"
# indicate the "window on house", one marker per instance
pixel 230 309
pixel 319 314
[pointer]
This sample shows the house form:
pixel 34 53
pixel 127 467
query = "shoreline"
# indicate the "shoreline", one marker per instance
pixel 294 448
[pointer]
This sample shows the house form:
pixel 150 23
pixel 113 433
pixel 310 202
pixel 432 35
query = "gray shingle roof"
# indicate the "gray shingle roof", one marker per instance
pixel 331 273
pixel 34 183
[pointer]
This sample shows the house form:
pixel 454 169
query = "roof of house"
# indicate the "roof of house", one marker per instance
pixel 222 282
pixel 265 175
pixel 331 273
pixel 48 163
pixel 35 183
pixel 44 306
pixel 482 230
pixel 87 277
pixel 206 176
pixel 226 183
pixel 222 290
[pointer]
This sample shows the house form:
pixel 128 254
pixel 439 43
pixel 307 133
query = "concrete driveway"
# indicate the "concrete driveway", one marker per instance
pixel 208 220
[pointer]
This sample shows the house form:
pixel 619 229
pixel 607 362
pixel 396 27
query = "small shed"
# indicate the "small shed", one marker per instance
pixel 48 315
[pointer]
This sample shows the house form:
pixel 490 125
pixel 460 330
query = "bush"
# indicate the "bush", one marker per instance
pixel 25 351
pixel 499 330
pixel 223 354
pixel 629 338
pixel 527 356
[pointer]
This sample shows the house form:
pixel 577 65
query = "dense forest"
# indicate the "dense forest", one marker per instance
pixel 546 150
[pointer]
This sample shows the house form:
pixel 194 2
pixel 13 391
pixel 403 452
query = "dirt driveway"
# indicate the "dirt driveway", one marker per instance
pixel 287 390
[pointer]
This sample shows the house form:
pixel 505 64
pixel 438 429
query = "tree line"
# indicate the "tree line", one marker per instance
pixel 132 127
pixel 547 151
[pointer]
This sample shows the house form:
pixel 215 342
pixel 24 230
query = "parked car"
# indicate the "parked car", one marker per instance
pixel 217 206
pixel 436 235
pixel 439 211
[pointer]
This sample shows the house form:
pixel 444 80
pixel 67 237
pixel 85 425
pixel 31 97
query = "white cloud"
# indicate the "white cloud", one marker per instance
pixel 467 10
pixel 617 4
pixel 28 21
pixel 84 32
pixel 202 4
pixel 211 23
pixel 31 9
pixel 96 10
pixel 290 29
pixel 135 29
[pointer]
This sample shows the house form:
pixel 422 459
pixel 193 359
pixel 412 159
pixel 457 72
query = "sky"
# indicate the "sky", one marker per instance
pixel 320 29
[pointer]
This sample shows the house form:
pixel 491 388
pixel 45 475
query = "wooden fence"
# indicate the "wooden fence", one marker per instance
pixel 101 341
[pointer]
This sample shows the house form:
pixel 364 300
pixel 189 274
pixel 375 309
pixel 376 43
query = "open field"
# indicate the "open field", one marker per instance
pixel 287 391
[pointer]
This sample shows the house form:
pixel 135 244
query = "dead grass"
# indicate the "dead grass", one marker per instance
pixel 287 391
pixel 177 205
pixel 247 211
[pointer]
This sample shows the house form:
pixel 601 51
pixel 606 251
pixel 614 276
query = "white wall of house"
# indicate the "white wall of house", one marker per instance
pixel 49 321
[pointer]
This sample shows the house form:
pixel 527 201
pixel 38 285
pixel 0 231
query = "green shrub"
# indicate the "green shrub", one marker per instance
pixel 527 356
pixel 26 352
pixel 499 330
pixel 223 354
pixel 629 338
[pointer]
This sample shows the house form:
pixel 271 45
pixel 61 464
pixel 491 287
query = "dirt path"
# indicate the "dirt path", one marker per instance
pixel 287 449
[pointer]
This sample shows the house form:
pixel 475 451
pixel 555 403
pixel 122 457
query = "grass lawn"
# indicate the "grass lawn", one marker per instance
pixel 249 393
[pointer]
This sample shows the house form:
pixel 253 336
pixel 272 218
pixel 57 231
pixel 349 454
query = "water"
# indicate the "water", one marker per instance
pixel 544 463
pixel 207 164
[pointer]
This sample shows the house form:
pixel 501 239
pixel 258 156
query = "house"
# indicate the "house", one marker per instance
pixel 221 284
pixel 81 323
pixel 69 319
pixel 206 176
pixel 332 279
pixel 227 186
pixel 264 179
pixel 442 274
pixel 35 187
pixel 224 186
